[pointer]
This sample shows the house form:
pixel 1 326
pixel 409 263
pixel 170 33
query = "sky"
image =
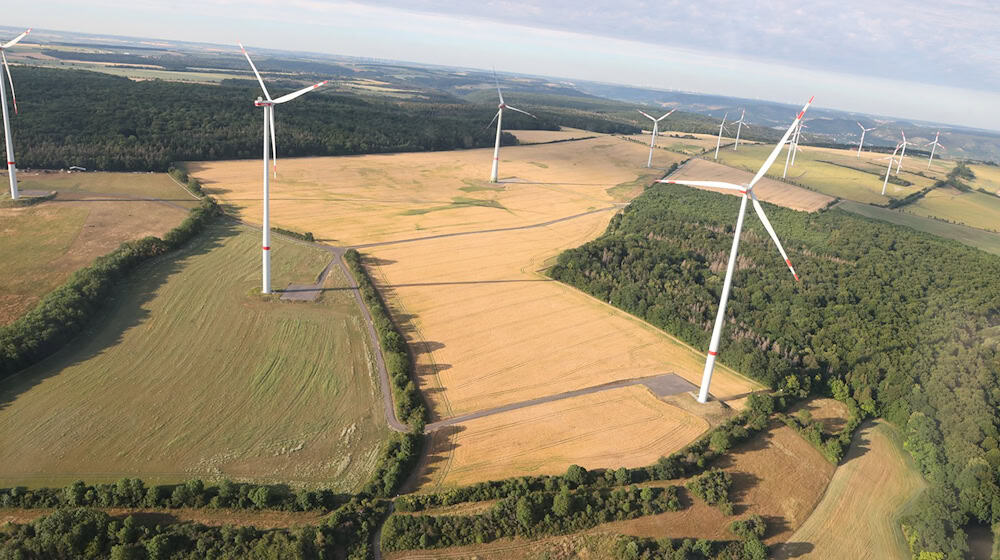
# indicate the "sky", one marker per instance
pixel 920 60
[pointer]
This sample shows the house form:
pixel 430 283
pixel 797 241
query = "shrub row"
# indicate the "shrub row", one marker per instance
pixel 88 533
pixel 832 446
pixel 182 177
pixel 635 548
pixel 307 236
pixel 691 460
pixel 133 493
pixel 63 313
pixel 531 515
pixel 409 405
pixel 399 456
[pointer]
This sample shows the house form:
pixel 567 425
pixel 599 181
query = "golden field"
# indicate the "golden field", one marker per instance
pixel 487 326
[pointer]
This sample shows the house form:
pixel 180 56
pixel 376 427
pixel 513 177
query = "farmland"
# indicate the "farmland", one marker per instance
pixel 681 142
pixel 987 241
pixel 768 190
pixel 188 374
pixel 987 177
pixel 487 327
pixel 858 516
pixel 42 245
pixel 976 209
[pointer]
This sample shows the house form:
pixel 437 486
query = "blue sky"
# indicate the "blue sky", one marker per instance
pixel 921 60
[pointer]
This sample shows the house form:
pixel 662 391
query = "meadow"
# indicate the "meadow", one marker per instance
pixel 41 245
pixel 987 177
pixel 980 239
pixel 858 516
pixel 190 373
pixel 487 327
pixel 975 209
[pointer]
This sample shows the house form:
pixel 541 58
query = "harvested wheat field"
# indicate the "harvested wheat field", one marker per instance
pixel 464 282
pixel 777 475
pixel 363 199
pixel 41 245
pixel 858 516
pixel 636 429
pixel 768 190
pixel 681 142
pixel 542 136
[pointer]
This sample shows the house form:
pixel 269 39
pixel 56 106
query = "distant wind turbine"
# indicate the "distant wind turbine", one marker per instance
pixel 718 140
pixel 792 148
pixel 934 146
pixel 795 141
pixel 747 192
pixel 899 164
pixel 862 142
pixel 656 130
pixel 499 119
pixel 270 146
pixel 11 166
pixel 740 124
pixel 892 159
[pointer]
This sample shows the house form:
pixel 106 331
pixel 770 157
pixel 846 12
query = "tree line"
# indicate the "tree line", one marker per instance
pixel 901 318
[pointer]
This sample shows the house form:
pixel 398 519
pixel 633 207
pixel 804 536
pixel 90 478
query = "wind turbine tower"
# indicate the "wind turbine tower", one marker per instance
pixel 747 194
pixel 739 126
pixel 8 137
pixel 718 141
pixel 270 146
pixel 934 146
pixel 902 154
pixel 656 130
pixel 499 119
pixel 862 142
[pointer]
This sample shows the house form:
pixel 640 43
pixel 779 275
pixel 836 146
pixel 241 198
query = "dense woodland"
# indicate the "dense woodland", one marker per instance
pixel 909 323
pixel 99 121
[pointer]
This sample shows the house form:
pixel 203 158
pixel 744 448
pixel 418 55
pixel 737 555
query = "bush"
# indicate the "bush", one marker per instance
pixel 713 487
pixel 751 527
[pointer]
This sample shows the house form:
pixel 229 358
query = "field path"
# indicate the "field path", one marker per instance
pixel 661 385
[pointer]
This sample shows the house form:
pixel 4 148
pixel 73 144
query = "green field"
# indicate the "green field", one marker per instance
pixel 977 209
pixel 149 185
pixel 984 240
pixel 987 177
pixel 190 373
pixel 846 177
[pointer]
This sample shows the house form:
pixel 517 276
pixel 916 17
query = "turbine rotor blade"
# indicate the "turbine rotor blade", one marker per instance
pixel 497 82
pixel 770 231
pixel 274 145
pixel 708 184
pixel 645 115
pixel 495 115
pixel 520 111
pixel 777 149
pixel 6 67
pixel 15 40
pixel 303 91
pixel 255 72
pixel 665 116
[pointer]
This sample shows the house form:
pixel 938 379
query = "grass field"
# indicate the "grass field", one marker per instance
pixel 975 208
pixel 987 177
pixel 42 245
pixel 487 327
pixel 984 240
pixel 768 190
pixel 858 516
pixel 638 429
pixel 813 170
pixel 191 374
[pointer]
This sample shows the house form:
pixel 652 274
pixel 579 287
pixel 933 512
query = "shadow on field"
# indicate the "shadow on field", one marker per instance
pixel 437 458
pixel 123 310
pixel 860 444
pixel 792 550
pixel 742 483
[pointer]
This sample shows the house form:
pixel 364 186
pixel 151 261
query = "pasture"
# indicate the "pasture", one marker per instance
pixel 858 516
pixel 983 240
pixel 190 373
pixel 987 177
pixel 975 209
pixel 93 213
pixel 465 283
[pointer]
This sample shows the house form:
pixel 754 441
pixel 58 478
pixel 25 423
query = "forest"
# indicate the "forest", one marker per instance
pixel 104 122
pixel 905 324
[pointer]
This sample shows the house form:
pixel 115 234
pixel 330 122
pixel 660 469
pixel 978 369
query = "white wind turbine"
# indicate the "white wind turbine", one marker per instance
pixel 892 160
pixel 656 130
pixel 270 145
pixel 747 192
pixel 862 142
pixel 740 124
pixel 795 142
pixel 499 119
pixel 11 167
pixel 934 146
pixel 718 141
pixel 793 147
pixel 899 164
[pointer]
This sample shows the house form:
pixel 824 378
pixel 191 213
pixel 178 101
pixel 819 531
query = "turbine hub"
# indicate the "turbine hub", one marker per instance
pixel 502 106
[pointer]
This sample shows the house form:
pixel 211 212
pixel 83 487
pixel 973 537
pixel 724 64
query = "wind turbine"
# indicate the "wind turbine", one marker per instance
pixel 899 164
pixel 792 148
pixel 499 118
pixel 795 141
pixel 718 140
pixel 892 160
pixel 656 130
pixel 269 143
pixel 934 146
pixel 11 167
pixel 740 124
pixel 747 192
pixel 862 142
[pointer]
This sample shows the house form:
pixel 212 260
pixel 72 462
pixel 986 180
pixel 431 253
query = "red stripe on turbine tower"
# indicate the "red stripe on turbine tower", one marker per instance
pixel 265 247
pixel 710 353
